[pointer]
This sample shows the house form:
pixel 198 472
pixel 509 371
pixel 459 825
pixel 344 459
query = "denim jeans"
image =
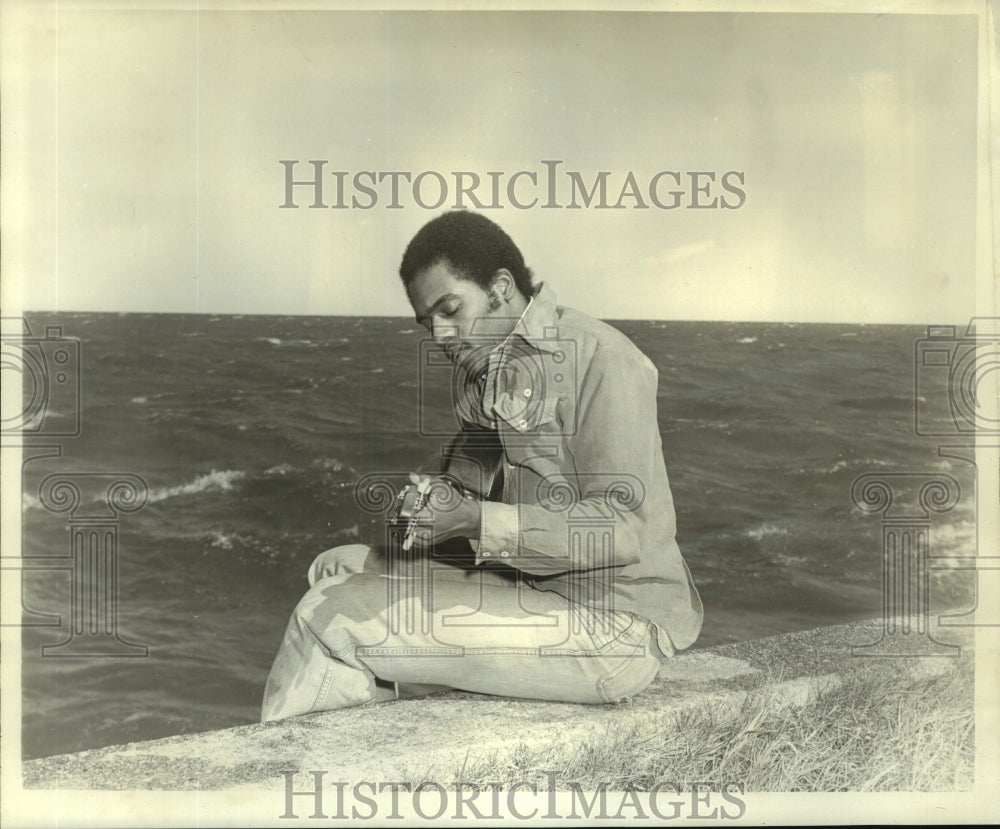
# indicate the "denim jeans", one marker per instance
pixel 369 631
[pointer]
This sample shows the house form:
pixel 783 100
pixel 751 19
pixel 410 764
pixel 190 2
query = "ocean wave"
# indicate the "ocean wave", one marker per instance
pixel 214 480
pixel 45 414
pixel 879 403
pixel 267 548
pixel 699 423
pixel 955 538
pixel 747 340
pixel 280 469
pixel 280 342
pixel 329 464
pixel 851 463
pixel 321 470
pixel 765 530
pixel 223 541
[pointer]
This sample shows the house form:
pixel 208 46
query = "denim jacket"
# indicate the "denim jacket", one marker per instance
pixel 586 508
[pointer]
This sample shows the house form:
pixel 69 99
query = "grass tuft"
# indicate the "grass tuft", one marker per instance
pixel 870 732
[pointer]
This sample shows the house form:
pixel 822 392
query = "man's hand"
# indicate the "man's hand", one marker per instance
pixel 445 514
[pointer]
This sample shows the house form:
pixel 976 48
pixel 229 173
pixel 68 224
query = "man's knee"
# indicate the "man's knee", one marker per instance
pixel 345 601
pixel 345 560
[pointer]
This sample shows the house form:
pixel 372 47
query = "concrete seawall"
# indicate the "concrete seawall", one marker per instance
pixel 436 735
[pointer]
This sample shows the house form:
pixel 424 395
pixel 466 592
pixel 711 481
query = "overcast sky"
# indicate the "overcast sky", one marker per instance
pixel 153 141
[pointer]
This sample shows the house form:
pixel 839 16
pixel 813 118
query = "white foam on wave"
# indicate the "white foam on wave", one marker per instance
pixel 954 538
pixel 281 469
pixel 37 418
pixel 327 464
pixel 280 342
pixel 224 541
pixel 766 530
pixel 854 463
pixel 747 340
pixel 214 480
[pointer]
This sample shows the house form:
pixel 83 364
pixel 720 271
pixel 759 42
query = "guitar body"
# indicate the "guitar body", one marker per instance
pixel 473 463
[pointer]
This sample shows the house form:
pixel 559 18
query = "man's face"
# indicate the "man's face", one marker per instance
pixel 458 313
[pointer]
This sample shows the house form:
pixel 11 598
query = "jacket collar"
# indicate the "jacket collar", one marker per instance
pixel 539 324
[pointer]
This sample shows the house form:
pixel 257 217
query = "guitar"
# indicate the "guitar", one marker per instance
pixel 473 464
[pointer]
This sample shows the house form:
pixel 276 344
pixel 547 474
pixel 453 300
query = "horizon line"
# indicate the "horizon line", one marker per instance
pixel 963 321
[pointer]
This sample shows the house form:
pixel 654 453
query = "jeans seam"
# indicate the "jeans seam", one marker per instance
pixel 324 687
pixel 610 677
pixel 617 639
pixel 328 669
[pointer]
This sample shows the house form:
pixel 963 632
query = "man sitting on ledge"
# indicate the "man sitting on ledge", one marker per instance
pixel 568 584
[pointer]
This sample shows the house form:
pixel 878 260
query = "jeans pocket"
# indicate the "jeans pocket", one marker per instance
pixel 629 677
pixel 632 660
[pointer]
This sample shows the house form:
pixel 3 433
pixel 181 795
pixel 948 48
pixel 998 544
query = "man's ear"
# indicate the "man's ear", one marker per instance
pixel 503 284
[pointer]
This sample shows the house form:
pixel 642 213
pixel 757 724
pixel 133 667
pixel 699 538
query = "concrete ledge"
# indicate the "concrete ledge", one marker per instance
pixel 434 735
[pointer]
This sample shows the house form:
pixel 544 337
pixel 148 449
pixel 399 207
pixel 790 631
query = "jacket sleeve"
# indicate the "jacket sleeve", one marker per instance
pixel 594 517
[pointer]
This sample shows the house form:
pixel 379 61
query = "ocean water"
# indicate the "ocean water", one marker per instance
pixel 250 433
